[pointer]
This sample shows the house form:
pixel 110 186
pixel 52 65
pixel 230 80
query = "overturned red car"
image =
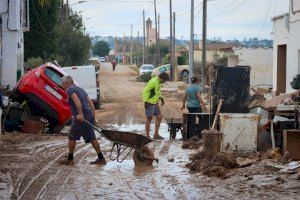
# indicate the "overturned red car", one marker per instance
pixel 41 89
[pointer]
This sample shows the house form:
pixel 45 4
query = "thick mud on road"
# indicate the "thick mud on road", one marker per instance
pixel 29 168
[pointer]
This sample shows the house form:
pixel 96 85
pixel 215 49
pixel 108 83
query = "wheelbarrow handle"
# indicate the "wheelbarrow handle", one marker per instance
pixel 94 125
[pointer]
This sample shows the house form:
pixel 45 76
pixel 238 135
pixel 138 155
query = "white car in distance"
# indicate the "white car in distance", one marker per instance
pixel 102 59
pixel 146 68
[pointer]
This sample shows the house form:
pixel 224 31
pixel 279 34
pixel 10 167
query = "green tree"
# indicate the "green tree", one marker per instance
pixel 52 37
pixel 101 48
pixel 164 48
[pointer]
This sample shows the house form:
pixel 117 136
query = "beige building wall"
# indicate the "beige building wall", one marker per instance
pixel 151 39
pixel 261 62
pixel 209 55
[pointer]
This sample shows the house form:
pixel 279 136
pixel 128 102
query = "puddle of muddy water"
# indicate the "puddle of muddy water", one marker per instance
pixel 140 128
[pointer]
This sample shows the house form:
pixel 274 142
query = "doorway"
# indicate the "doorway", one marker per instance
pixel 281 69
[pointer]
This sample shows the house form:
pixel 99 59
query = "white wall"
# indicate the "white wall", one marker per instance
pixel 261 62
pixel 280 37
pixel 12 43
pixel 293 48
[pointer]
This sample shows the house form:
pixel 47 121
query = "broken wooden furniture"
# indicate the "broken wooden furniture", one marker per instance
pixel 174 125
pixel 291 144
pixel 297 115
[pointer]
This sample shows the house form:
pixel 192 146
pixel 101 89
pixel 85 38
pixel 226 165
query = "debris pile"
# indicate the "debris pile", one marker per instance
pixel 215 165
pixel 192 143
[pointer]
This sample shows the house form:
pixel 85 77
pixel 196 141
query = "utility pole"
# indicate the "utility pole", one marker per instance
pixel 171 42
pixel 116 47
pixel 144 38
pixel 123 56
pixel 174 48
pixel 156 37
pixel 191 50
pixel 158 29
pixel 204 31
pixel 131 59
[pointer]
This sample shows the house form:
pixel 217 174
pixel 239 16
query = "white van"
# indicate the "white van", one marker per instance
pixel 87 78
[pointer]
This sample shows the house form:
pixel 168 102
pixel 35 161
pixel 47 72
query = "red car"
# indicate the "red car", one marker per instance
pixel 41 87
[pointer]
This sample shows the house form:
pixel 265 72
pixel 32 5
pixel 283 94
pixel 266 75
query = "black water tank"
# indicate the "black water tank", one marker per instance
pixel 233 85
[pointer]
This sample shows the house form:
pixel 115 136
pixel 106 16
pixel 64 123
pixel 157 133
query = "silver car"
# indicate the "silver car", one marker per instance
pixel 146 68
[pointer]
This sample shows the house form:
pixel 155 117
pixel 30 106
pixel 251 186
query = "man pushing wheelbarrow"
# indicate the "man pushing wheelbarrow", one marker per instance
pixel 82 109
pixel 83 112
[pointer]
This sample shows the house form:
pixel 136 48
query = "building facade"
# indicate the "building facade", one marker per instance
pixel 150 33
pixel 286 48
pixel 14 21
pixel 212 51
pixel 259 59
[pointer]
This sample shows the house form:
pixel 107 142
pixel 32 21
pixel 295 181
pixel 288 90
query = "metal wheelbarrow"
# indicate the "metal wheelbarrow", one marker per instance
pixel 174 125
pixel 124 143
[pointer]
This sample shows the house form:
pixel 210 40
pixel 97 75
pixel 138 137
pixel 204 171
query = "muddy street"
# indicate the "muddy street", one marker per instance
pixel 29 168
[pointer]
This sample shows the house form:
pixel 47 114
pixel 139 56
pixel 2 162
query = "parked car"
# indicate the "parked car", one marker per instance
pixel 87 78
pixel 102 59
pixel 146 68
pixel 42 89
pixel 183 70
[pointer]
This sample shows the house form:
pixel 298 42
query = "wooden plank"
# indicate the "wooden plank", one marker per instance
pixel 291 143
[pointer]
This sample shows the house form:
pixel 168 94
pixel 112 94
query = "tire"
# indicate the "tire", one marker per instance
pixel 142 161
pixel 185 73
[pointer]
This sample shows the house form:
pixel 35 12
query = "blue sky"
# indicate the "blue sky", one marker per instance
pixel 228 19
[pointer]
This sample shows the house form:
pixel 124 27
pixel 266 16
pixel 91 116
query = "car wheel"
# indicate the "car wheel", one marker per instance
pixel 185 73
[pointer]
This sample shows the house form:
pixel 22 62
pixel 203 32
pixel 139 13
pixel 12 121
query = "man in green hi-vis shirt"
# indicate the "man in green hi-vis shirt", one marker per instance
pixel 151 97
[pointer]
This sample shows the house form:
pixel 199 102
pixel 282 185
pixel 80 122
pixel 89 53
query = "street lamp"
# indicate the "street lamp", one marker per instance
pixel 77 3
pixel 67 7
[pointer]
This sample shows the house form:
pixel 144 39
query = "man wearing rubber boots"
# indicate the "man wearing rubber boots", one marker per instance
pixel 82 109
pixel 151 97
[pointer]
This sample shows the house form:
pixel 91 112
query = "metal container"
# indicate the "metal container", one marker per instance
pixel 233 85
pixel 239 131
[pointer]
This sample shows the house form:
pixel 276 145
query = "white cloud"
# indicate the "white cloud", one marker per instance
pixel 226 18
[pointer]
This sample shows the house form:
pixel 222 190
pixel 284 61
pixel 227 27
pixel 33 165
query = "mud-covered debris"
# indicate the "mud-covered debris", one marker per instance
pixel 298 176
pixel 213 165
pixel 272 154
pixel 192 143
pixel 171 159
pixel 216 171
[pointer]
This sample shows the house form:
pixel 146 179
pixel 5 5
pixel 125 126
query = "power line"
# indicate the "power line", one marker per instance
pixel 232 10
pixel 266 17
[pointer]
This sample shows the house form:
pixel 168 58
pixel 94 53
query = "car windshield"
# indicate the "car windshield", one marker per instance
pixel 149 67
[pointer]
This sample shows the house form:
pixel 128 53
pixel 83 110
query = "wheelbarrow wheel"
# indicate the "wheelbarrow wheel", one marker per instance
pixel 139 159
